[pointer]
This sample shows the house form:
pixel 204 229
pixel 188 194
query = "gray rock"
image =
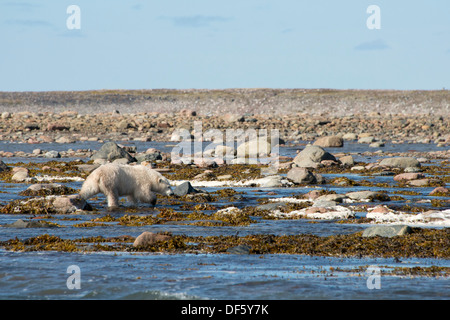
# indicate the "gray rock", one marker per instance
pixel 366 139
pixel 384 173
pixel 148 238
pixel 272 206
pixel 347 160
pixel 332 197
pixel 141 157
pixel 387 231
pixel 400 162
pixel 301 175
pixel 52 154
pixel 6 115
pixel 376 144
pixel 3 166
pixel 70 204
pixel 240 249
pixel 87 167
pixel 329 142
pixel 311 156
pixel 274 181
pixel 254 148
pixel 20 176
pixel 360 195
pixel 412 169
pixel 324 203
pixel 29 224
pixel 184 189
pixel 111 151
pixel 367 195
pixel 268 171
pixel 350 136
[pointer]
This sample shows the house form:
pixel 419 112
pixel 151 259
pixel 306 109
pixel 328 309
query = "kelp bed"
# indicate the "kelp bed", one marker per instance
pixel 200 209
pixel 421 243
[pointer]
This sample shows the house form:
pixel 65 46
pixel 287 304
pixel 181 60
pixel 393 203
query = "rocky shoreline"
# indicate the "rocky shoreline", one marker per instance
pixel 321 118
pixel 153 115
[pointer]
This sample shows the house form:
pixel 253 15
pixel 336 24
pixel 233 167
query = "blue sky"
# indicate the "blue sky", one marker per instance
pixel 211 44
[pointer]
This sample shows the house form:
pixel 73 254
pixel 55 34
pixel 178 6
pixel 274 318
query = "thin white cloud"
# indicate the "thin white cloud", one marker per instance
pixel 196 21
pixel 30 23
pixel 373 45
pixel 22 5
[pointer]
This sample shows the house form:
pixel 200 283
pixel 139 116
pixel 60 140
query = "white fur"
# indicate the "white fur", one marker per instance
pixel 138 183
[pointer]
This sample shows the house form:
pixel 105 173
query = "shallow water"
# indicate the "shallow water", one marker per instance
pixel 43 275
pixel 120 275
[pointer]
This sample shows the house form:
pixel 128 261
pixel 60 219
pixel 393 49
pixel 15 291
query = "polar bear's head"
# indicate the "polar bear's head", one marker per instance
pixel 163 186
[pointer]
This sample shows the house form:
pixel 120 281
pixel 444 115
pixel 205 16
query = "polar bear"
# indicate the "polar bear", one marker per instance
pixel 138 183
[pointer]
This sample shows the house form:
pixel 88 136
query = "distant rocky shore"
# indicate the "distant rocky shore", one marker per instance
pixel 154 115
pixel 280 102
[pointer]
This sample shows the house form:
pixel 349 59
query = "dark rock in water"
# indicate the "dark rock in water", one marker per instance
pixel 184 189
pixel 240 249
pixel 387 231
pixel 148 157
pixel 29 224
pixel 383 173
pixel 111 151
pixel 3 166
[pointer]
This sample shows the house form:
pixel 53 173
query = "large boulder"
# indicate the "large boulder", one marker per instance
pixel 329 142
pixel 184 189
pixel 367 195
pixel 303 175
pixel 148 238
pixel 311 156
pixel 409 176
pixel 20 174
pixel 274 181
pixel 70 204
pixel 224 151
pixel 387 231
pixel 400 162
pixel 111 151
pixel 347 160
pixel 254 148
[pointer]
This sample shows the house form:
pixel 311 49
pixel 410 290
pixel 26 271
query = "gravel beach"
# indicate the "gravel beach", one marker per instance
pixel 153 115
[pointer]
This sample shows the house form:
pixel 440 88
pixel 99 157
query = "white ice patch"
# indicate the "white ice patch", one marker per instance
pixel 335 212
pixel 289 200
pixel 52 178
pixel 430 218
pixel 229 210
pixel 269 182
